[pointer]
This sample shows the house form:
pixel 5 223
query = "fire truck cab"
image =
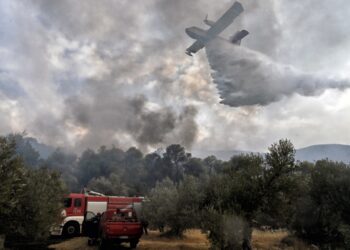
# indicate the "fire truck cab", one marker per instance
pixel 76 206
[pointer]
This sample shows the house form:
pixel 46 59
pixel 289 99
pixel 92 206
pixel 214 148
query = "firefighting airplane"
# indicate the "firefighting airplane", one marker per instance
pixel 204 36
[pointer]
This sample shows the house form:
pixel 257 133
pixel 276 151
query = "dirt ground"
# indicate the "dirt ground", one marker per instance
pixel 193 240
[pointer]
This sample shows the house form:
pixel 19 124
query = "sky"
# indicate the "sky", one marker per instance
pixel 81 74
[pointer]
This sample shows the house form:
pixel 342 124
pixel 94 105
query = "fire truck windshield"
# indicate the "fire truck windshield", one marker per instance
pixel 67 202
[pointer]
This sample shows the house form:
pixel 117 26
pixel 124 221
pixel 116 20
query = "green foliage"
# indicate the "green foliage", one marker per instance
pixel 176 207
pixel 322 215
pixel 187 207
pixel 25 150
pixel 40 204
pixel 250 187
pixel 175 158
pixel 154 169
pixel 65 163
pixel 194 167
pixel 109 186
pixel 30 199
pixel 281 157
pixel 226 199
pixel 12 179
pixel 161 204
pixel 212 164
pixel 225 230
pixel 137 174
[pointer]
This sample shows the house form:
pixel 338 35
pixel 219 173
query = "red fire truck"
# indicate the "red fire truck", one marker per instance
pixel 76 206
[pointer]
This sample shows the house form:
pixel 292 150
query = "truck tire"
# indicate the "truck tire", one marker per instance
pixel 104 244
pixel 133 244
pixel 91 242
pixel 71 229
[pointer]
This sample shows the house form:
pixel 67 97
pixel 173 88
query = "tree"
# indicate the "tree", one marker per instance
pixel 161 204
pixel 40 205
pixel 175 206
pixel 187 206
pixel 281 160
pixel 25 150
pixel 153 165
pixel 175 157
pixel 134 171
pixel 281 186
pixel 212 164
pixel 31 199
pixel 234 196
pixel 247 187
pixel 12 179
pixel 109 186
pixel 194 167
pixel 61 161
pixel 88 167
pixel 66 164
pixel 322 215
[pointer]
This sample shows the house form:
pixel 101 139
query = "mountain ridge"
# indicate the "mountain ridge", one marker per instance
pixel 312 153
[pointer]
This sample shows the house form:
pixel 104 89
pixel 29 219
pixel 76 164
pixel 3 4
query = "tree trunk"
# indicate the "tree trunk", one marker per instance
pixel 246 245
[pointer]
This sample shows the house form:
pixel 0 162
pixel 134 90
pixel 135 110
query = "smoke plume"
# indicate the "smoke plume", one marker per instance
pixel 112 117
pixel 245 77
pixel 116 73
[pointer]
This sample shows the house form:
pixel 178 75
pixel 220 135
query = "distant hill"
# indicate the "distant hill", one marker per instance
pixel 334 152
pixel 224 155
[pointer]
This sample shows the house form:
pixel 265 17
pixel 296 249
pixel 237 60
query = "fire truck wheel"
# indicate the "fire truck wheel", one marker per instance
pixel 104 244
pixel 71 229
pixel 90 242
pixel 133 244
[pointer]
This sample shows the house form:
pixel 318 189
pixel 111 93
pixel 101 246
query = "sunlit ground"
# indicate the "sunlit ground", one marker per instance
pixel 195 240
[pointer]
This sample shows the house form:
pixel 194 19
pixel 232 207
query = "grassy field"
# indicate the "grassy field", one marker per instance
pixel 194 240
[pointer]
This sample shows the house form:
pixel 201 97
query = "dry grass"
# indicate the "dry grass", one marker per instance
pixel 79 243
pixel 192 240
pixel 268 240
pixel 195 240
pixel 281 239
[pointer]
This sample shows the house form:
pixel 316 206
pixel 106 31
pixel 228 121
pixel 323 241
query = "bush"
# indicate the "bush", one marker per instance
pixel 322 215
pixel 31 200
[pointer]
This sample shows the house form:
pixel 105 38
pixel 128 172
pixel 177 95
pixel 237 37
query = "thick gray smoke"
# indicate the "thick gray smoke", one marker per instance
pixel 245 77
pixel 110 116
pixel 116 73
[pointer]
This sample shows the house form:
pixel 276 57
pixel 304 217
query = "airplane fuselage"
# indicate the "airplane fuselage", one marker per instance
pixel 197 33
pixel 202 36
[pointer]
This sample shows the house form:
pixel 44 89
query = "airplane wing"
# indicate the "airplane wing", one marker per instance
pixel 197 45
pixel 224 21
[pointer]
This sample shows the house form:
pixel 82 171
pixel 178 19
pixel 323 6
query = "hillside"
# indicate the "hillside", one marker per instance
pixel 334 152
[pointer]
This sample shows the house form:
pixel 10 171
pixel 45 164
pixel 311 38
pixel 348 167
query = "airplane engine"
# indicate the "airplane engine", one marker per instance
pixel 208 22
pixel 237 38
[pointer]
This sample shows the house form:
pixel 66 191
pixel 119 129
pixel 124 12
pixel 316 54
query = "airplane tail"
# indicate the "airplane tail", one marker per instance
pixel 237 38
pixel 208 22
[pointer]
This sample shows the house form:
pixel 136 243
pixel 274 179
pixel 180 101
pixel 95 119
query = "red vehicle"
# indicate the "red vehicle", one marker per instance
pixel 120 225
pixel 76 206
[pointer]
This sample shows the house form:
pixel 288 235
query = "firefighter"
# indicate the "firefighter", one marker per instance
pixel 144 226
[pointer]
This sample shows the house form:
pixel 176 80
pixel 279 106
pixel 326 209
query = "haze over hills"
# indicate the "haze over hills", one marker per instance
pixel 44 150
pixel 334 152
